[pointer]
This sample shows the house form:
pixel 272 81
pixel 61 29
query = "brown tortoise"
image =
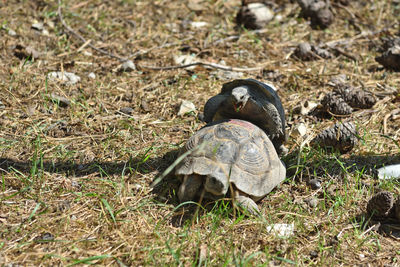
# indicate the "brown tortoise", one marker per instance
pixel 253 101
pixel 230 154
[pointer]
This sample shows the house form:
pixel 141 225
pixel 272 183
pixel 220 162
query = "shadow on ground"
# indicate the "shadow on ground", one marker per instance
pixel 70 168
pixel 323 164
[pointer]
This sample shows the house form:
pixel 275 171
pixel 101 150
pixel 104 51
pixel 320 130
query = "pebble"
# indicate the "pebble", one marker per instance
pixel 37 26
pixel 307 107
pixel 186 107
pixel 128 66
pixel 67 77
pixel 300 130
pixel 92 75
pixel 254 16
pixel 315 184
pixel 44 237
pixel 127 110
pixel 11 32
pixel 184 60
pixel 389 172
pixel 311 201
pixel 62 101
pixel 198 24
pixel 314 254
pixel 303 51
pixel 281 229
pixel 144 105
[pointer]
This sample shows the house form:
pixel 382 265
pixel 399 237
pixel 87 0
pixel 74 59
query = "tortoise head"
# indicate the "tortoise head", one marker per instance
pixel 215 186
pixel 240 96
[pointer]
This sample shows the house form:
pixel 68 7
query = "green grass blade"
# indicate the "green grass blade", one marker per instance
pixel 34 211
pixel 89 260
pixel 109 209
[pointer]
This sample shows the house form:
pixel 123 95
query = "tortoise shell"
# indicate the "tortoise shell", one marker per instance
pixel 234 151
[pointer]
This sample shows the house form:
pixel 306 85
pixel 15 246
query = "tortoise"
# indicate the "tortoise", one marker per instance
pixel 254 101
pixel 232 156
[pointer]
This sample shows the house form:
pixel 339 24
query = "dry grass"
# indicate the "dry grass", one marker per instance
pixel 75 181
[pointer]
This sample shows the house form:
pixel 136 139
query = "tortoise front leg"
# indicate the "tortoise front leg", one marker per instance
pixel 246 203
pixel 190 187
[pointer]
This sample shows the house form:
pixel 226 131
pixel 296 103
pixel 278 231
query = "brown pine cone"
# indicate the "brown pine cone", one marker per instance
pixel 335 104
pixel 356 98
pixel 318 11
pixel 380 205
pixel 342 137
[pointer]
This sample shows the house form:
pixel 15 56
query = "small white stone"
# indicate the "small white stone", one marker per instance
pixel 185 60
pixel 186 107
pixel 128 66
pixel 67 77
pixel 389 172
pixel 307 107
pixel 11 32
pixel 279 17
pixel 92 75
pixel 300 130
pixel 283 230
pixel 37 26
pixel 198 24
pixel 261 11
pixel 87 53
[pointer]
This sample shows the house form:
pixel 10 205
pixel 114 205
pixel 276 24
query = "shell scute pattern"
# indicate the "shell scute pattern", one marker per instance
pixel 252 160
pixel 233 132
pixel 238 152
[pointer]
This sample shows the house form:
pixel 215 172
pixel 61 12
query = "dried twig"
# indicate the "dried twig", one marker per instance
pixel 204 64
pixel 344 53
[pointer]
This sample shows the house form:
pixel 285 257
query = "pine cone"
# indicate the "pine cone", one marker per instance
pixel 334 103
pixel 318 11
pixel 380 205
pixel 356 98
pixel 340 136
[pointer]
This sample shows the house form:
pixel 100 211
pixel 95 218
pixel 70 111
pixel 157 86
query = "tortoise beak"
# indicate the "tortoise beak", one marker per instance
pixel 238 106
